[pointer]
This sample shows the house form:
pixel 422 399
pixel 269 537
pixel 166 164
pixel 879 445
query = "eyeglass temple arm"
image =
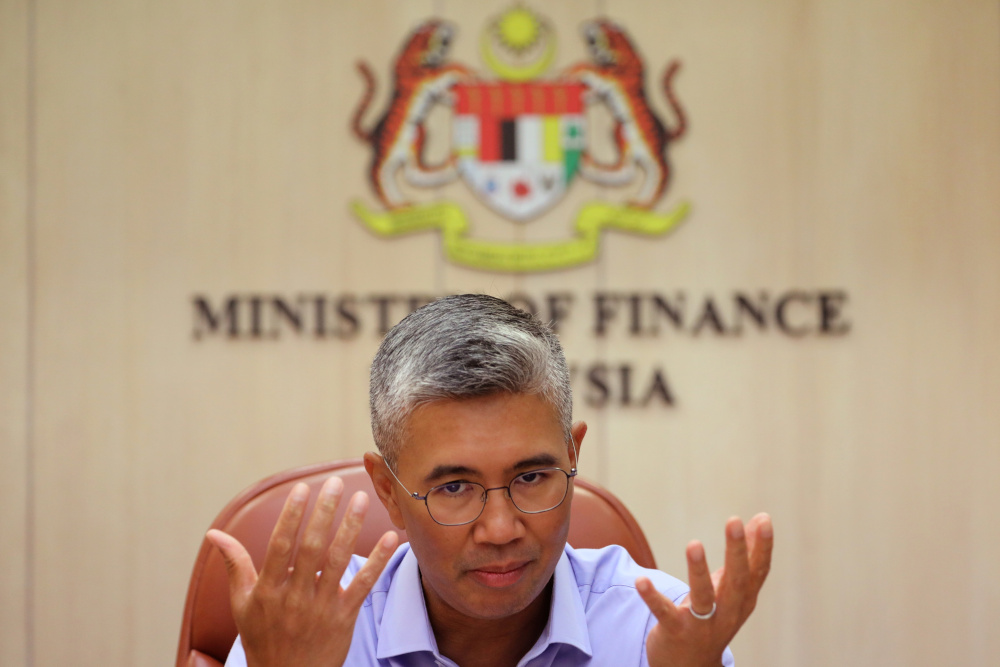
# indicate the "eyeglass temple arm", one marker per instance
pixel 415 496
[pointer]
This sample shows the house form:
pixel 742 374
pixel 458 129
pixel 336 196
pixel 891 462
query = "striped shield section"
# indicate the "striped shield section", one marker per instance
pixel 518 145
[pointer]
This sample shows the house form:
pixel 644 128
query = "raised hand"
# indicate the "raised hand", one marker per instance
pixel 696 632
pixel 289 614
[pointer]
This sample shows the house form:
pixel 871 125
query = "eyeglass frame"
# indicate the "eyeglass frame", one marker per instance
pixel 486 492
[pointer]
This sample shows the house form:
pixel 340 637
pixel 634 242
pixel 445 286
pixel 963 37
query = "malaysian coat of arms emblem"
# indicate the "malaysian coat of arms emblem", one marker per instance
pixel 519 141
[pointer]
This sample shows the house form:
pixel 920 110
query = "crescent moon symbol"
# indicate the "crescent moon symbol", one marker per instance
pixel 513 73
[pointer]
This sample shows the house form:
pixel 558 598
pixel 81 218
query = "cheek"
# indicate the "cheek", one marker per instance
pixel 555 525
pixel 413 514
pixel 436 547
pixel 552 540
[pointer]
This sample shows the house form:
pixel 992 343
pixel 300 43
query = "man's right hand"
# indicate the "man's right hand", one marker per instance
pixel 296 613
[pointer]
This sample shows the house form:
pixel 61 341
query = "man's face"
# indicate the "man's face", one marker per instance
pixel 497 565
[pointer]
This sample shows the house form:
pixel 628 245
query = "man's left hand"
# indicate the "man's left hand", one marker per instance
pixel 727 597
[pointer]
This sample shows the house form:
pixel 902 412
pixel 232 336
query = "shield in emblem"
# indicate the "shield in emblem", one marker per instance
pixel 518 145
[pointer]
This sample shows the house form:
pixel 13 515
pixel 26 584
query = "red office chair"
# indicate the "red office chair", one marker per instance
pixel 208 630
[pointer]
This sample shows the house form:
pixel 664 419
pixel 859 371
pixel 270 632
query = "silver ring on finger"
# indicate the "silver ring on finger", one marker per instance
pixel 703 617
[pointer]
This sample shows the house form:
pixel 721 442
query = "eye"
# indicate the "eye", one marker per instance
pixel 455 489
pixel 533 478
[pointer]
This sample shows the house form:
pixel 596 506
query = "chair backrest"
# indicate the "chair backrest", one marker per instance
pixel 208 631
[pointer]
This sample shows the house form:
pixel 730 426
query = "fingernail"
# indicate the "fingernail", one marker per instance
pixel 300 492
pixel 389 541
pixel 697 553
pixel 767 530
pixel 359 502
pixel 332 490
pixel 736 530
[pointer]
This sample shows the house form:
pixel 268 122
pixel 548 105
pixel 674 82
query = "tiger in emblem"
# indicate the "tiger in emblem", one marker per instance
pixel 421 79
pixel 615 77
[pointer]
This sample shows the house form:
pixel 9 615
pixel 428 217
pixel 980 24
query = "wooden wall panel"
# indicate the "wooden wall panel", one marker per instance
pixel 190 148
pixel 14 268
pixel 851 445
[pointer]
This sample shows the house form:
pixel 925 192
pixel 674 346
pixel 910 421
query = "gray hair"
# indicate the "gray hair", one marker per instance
pixel 461 347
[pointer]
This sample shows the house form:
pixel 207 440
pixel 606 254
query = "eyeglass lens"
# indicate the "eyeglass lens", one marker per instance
pixel 532 492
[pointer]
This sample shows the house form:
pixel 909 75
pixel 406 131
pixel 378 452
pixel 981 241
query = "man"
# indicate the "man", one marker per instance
pixel 471 413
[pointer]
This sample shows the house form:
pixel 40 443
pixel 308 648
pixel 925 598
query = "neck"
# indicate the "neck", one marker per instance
pixel 477 642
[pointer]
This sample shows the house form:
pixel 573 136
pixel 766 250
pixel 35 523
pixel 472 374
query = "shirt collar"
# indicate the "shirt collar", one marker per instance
pixel 411 627
pixel 405 626
pixel 567 620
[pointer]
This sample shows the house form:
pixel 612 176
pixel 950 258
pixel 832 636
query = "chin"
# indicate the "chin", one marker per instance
pixel 487 602
pixel 497 605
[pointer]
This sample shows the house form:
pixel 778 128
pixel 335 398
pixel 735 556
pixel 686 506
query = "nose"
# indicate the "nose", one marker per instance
pixel 500 521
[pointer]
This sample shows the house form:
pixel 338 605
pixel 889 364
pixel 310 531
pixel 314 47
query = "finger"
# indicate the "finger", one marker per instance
pixel 702 595
pixel 311 551
pixel 760 541
pixel 342 546
pixel 751 530
pixel 278 558
pixel 737 574
pixel 239 566
pixel 660 606
pixel 366 577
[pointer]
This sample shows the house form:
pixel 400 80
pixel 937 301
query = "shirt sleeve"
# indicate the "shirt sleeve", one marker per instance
pixel 236 656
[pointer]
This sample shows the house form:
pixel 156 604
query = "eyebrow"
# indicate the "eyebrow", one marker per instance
pixel 449 471
pixel 539 461
pixel 542 460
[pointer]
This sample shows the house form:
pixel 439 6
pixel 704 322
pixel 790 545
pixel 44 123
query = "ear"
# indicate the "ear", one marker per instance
pixel 384 482
pixel 578 430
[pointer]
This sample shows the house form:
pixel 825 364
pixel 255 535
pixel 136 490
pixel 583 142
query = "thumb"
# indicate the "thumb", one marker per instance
pixel 660 606
pixel 239 565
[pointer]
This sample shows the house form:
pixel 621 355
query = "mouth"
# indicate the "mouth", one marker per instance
pixel 500 575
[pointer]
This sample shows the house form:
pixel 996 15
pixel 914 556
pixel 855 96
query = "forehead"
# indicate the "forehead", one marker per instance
pixel 487 433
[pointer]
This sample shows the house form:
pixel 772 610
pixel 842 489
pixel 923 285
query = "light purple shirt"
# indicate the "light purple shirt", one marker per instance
pixel 597 617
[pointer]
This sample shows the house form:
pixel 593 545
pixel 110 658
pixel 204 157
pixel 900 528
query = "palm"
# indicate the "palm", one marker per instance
pixel 289 614
pixel 680 639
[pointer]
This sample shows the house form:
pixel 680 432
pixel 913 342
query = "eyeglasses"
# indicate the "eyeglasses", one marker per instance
pixel 458 503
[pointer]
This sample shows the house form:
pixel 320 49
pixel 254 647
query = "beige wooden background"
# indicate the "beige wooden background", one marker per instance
pixel 153 150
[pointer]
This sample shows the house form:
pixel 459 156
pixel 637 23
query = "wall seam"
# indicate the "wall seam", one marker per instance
pixel 30 219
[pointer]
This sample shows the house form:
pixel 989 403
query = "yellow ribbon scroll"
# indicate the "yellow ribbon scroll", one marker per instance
pixel 519 257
